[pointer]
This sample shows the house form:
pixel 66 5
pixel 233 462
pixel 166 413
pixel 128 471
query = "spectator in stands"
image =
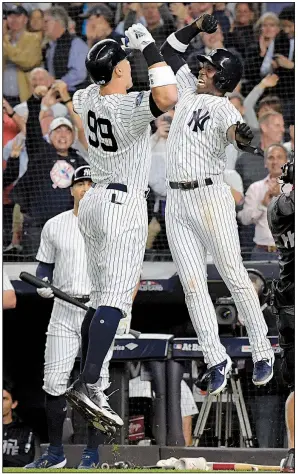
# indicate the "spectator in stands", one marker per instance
pixel 259 54
pixel 128 10
pixel 18 439
pixel 40 81
pixel 65 53
pixel 160 22
pixel 9 295
pixel 12 122
pixel 48 177
pixel 246 106
pixel 209 42
pixel 241 33
pixel 251 167
pixel 290 146
pixel 267 104
pixel 197 9
pixel 257 199
pixel 157 182
pixel 35 24
pixel 21 53
pixel 99 24
pixel 180 11
pixel 283 63
pixel 9 177
pixel 71 27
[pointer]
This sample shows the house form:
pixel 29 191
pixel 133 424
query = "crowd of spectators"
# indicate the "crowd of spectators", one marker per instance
pixel 44 50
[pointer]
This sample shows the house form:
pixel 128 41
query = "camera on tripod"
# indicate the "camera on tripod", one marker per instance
pixel 225 307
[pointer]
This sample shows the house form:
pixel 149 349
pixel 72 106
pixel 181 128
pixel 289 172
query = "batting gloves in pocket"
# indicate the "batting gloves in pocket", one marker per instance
pixel 138 37
pixel 45 292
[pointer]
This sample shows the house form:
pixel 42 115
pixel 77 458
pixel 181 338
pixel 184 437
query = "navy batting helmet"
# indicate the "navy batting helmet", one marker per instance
pixel 102 59
pixel 228 66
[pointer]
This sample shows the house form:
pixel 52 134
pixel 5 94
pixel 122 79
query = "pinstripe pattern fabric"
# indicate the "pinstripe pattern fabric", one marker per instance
pixel 115 232
pixel 195 154
pixel 204 219
pixel 63 346
pixel 115 236
pixel 62 244
pixel 129 116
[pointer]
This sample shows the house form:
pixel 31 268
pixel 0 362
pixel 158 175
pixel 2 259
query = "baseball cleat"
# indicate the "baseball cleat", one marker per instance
pixel 263 371
pixel 217 376
pixel 90 459
pixel 48 460
pixel 288 464
pixel 92 404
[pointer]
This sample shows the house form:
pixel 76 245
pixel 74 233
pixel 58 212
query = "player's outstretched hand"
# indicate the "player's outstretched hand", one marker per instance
pixel 138 37
pixel 207 23
pixel 45 292
pixel 243 133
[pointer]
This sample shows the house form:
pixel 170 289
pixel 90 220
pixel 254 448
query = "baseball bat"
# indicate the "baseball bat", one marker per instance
pixel 222 466
pixel 38 283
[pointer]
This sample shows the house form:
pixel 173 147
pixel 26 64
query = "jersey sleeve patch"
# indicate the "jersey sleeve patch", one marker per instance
pixel 139 98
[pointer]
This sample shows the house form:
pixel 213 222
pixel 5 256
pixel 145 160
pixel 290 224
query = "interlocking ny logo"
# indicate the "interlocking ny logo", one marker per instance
pixel 198 120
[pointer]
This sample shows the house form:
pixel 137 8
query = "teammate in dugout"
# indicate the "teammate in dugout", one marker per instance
pixel 113 215
pixel 281 220
pixel 62 261
pixel 200 211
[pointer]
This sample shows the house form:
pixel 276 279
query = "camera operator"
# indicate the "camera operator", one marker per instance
pixel 281 219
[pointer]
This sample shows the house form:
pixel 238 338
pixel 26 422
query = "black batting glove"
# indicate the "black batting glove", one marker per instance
pixel 243 133
pixel 207 23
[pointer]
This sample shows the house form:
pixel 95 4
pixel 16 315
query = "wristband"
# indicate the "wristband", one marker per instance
pixel 152 55
pixel 66 101
pixel 161 76
pixel 44 108
pixel 11 115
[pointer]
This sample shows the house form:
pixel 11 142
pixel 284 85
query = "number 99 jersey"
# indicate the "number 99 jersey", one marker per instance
pixel 117 131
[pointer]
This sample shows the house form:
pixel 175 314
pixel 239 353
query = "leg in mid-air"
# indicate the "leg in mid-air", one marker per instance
pixel 217 228
pixel 62 347
pixel 190 258
pixel 114 258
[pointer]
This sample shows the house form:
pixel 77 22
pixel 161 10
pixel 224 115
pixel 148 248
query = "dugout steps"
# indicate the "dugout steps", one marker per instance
pixel 149 455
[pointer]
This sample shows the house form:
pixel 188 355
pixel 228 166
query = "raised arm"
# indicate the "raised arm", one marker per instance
pixel 177 43
pixel 61 88
pixel 161 77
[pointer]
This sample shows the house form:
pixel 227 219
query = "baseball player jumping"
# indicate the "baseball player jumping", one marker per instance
pixel 113 215
pixel 200 211
pixel 63 262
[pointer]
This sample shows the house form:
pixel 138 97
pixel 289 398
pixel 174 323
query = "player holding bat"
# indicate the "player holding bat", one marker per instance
pixel 63 263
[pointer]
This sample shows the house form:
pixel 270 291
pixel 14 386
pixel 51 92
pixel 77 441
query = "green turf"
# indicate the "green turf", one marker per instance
pixel 160 471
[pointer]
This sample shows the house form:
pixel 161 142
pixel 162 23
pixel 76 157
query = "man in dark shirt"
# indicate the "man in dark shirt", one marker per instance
pixel 251 167
pixel 281 220
pixel 100 24
pixel 43 191
pixel 18 439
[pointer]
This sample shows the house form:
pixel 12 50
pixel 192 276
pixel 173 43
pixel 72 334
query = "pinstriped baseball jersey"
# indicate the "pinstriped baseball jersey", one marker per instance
pixel 62 243
pixel 198 134
pixel 117 130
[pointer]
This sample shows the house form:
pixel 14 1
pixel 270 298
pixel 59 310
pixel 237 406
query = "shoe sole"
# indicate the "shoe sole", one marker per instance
pixel 56 466
pixel 223 385
pixel 264 382
pixel 95 417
